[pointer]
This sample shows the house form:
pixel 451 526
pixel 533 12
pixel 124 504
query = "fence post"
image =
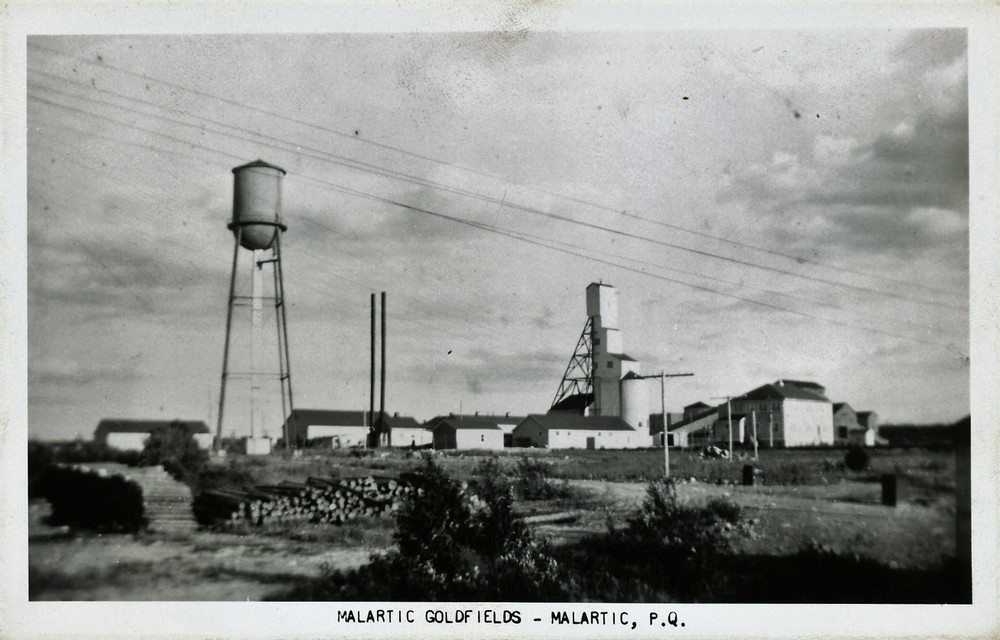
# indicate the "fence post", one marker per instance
pixel 889 489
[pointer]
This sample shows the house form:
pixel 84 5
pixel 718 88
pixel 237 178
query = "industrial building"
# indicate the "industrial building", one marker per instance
pixel 601 381
pixel 788 413
pixel 568 431
pixel 131 435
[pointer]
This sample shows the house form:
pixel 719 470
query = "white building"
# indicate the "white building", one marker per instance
pixel 568 431
pixel 788 413
pixel 467 432
pixel 406 432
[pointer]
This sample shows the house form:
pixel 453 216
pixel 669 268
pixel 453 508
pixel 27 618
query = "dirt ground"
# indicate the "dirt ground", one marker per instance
pixel 206 566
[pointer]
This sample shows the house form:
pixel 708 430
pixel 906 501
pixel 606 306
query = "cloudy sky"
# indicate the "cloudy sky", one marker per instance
pixel 768 203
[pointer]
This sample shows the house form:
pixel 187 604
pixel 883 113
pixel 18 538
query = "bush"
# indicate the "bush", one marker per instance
pixel 452 545
pixel 534 483
pixel 856 458
pixel 668 550
pixel 176 449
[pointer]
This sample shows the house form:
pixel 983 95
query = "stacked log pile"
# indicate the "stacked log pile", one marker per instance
pixel 113 497
pixel 318 500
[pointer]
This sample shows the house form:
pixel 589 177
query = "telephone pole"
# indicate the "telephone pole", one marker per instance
pixel 663 410
pixel 729 417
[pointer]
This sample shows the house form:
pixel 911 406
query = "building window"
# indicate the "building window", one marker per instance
pixel 597 342
pixel 842 431
pixel 482 438
pixel 610 364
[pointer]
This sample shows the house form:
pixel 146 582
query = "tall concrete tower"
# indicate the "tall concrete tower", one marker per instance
pixel 610 363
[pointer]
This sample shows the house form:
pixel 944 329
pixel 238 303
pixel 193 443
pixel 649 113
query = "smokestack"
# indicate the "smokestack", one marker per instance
pixel 381 405
pixel 371 394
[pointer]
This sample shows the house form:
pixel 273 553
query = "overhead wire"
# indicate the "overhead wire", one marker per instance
pixel 462 221
pixel 797 259
pixel 319 154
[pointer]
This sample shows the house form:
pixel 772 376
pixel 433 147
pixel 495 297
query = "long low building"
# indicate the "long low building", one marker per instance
pixel 569 431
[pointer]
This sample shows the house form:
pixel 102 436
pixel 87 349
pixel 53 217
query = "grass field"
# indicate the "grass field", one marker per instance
pixel 804 499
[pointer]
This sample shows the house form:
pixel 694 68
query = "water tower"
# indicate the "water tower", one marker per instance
pixel 257 228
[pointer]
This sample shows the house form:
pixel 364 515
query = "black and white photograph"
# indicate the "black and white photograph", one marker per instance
pixel 529 319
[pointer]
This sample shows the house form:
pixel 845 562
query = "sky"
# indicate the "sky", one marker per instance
pixel 769 204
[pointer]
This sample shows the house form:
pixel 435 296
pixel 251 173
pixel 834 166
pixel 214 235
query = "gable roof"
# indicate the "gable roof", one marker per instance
pixel 701 415
pixel 118 425
pixel 469 422
pixel 495 420
pixel 402 422
pixel 805 384
pixel 781 390
pixel 837 406
pixel 698 404
pixel 576 403
pixel 328 417
pixel 571 422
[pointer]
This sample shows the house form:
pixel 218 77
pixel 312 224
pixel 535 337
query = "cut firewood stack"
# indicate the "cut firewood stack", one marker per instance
pixel 318 500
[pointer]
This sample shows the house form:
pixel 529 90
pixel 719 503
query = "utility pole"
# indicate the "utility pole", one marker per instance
pixel 663 410
pixel 729 417
pixel 753 415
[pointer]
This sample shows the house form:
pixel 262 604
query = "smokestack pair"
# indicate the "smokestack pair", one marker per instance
pixel 375 439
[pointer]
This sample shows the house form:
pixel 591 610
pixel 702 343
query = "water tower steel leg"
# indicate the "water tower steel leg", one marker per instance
pixel 282 367
pixel 225 352
pixel 284 331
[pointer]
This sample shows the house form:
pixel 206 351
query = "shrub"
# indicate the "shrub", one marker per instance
pixel 452 545
pixel 176 449
pixel 534 483
pixel 856 458
pixel 681 544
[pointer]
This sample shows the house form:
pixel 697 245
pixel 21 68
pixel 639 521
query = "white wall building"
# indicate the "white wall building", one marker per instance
pixel 567 431
pixel 468 432
pixel 788 413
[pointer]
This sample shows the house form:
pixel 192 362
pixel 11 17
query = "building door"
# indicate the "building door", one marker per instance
pixel 591 443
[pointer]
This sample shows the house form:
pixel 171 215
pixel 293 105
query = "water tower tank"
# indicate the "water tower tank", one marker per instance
pixel 257 204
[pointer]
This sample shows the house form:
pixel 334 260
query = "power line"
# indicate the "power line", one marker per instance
pixel 536 240
pixel 797 259
pixel 322 155
pixel 488 228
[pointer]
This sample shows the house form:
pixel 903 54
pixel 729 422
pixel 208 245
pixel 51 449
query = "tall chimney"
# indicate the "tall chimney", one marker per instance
pixel 371 394
pixel 381 405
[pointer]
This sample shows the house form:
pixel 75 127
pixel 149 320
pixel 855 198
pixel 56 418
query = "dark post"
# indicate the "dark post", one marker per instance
pixel 889 489
pixel 381 401
pixel 371 395
pixel 748 475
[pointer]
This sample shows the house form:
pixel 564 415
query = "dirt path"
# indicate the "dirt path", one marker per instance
pixel 198 566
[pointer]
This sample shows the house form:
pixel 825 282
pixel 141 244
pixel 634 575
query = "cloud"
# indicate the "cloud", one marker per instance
pixel 61 371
